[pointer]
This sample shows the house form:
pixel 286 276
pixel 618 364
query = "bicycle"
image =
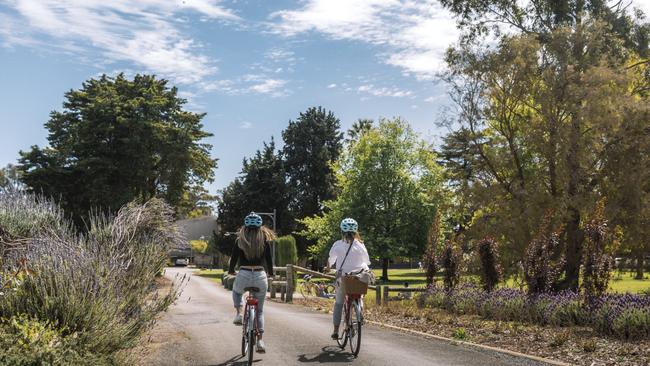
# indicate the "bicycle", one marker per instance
pixel 250 327
pixel 308 288
pixel 352 314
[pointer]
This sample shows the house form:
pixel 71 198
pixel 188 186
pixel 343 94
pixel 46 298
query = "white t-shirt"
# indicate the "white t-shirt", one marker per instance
pixel 357 258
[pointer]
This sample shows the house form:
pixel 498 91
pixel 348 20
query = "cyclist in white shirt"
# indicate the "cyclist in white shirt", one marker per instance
pixel 347 255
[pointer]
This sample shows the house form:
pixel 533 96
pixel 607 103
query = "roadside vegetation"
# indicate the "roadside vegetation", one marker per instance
pixel 70 297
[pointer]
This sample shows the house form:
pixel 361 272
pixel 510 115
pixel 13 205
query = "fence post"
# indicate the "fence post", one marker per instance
pixel 272 289
pixel 378 294
pixel 385 299
pixel 290 274
pixel 283 292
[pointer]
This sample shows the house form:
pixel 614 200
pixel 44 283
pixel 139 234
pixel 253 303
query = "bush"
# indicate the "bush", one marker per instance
pixel 542 261
pixel 597 259
pixel 25 341
pixel 490 268
pixel 286 251
pixel 99 285
pixel 450 258
pixel 199 246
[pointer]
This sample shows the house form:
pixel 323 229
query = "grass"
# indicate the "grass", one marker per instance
pixel 212 274
pixel 624 282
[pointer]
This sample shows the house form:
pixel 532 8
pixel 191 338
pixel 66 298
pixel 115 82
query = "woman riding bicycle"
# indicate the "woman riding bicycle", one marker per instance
pixel 350 255
pixel 251 250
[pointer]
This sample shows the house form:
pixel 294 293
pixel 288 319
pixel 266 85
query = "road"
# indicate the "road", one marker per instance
pixel 198 330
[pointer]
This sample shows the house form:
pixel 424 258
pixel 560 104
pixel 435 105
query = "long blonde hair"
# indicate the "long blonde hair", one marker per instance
pixel 251 240
pixel 351 237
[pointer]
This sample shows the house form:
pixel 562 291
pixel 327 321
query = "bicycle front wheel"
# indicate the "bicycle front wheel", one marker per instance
pixel 244 336
pixel 251 346
pixel 304 290
pixel 342 340
pixel 355 328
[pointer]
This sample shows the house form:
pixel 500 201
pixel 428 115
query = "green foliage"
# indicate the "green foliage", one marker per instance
pixel 200 246
pixel 286 251
pixel 390 183
pixel 262 182
pixel 98 285
pixel 117 140
pixel 9 177
pixel 460 334
pixel 25 341
pixel 550 119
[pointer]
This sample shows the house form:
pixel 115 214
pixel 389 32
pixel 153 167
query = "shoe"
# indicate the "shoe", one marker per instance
pixel 260 346
pixel 335 336
pixel 237 320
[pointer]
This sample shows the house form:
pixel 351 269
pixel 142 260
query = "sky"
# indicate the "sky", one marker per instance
pixel 250 65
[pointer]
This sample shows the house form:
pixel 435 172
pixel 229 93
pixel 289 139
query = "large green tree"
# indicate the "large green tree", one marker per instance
pixel 260 187
pixel 311 144
pixel 541 113
pixel 389 181
pixel 117 140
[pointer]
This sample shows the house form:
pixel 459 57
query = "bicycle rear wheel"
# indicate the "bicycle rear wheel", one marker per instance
pixel 304 290
pixel 355 327
pixel 251 335
pixel 342 340
pixel 244 336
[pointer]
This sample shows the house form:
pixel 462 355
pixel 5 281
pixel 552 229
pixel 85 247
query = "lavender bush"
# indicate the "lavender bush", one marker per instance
pixel 98 285
pixel 625 316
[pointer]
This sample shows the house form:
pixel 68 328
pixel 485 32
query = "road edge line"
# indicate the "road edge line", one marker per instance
pixel 471 344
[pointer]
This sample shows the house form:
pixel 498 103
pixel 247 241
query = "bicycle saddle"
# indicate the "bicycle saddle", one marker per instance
pixel 252 289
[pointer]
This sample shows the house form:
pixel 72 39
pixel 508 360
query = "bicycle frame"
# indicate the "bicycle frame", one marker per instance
pixel 250 325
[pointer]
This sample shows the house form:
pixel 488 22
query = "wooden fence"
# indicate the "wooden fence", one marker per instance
pixel 285 284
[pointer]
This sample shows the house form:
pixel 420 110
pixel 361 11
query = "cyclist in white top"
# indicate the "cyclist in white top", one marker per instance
pixel 347 255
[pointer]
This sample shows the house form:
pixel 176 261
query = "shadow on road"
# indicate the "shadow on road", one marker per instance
pixel 238 360
pixel 329 354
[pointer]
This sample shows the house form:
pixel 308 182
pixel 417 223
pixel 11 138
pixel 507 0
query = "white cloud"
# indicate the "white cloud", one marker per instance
pixel 331 86
pixel 273 87
pixel 245 125
pixel 142 32
pixel 384 91
pixel 414 34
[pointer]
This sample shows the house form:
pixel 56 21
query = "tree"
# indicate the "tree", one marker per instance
pixel 260 187
pixel 358 128
pixel 117 140
pixel 9 177
pixel 311 144
pixel 539 114
pixel 390 183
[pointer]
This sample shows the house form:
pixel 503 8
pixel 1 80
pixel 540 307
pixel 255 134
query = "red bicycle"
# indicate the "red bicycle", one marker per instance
pixel 250 327
pixel 352 315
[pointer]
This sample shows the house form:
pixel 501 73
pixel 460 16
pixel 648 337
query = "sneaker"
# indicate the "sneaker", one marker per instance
pixel 335 335
pixel 237 320
pixel 260 346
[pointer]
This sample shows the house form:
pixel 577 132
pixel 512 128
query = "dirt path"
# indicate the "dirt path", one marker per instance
pixel 198 330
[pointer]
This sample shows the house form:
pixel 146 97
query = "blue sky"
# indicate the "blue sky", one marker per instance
pixel 251 65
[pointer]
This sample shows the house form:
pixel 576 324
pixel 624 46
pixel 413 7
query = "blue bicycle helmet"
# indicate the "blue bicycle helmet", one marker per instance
pixel 253 220
pixel 349 225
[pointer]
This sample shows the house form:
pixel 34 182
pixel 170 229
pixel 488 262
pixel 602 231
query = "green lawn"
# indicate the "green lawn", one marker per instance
pixel 212 274
pixel 397 277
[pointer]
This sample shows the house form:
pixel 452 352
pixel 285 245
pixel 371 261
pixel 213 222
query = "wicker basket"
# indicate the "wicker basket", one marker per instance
pixel 353 286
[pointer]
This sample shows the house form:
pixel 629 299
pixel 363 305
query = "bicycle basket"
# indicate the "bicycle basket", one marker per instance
pixel 353 286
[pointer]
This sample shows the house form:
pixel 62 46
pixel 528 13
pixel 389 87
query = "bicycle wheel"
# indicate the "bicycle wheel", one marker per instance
pixel 342 340
pixel 355 328
pixel 244 336
pixel 304 290
pixel 251 335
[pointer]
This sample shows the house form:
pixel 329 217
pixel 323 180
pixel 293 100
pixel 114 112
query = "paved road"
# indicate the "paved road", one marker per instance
pixel 198 330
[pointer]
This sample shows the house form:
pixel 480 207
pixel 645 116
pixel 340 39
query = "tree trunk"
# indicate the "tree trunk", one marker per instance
pixel 574 238
pixel 384 269
pixel 639 265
